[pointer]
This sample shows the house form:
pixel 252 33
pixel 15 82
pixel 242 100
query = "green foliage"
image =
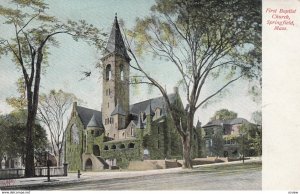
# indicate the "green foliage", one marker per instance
pixel 251 139
pixel 257 117
pixel 217 144
pixel 20 102
pixel 224 114
pixel 13 129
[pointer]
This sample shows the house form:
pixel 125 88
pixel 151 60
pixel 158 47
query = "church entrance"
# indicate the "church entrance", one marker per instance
pixel 88 165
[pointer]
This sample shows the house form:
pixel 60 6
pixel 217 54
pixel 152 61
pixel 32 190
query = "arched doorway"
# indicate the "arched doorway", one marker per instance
pixel 88 165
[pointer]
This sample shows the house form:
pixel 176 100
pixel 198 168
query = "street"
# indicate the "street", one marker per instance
pixel 227 177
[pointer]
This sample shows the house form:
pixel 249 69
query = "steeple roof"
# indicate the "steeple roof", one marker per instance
pixel 115 43
pixel 140 124
pixel 93 122
pixel 118 110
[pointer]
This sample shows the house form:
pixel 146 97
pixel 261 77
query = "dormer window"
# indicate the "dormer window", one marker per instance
pixel 108 72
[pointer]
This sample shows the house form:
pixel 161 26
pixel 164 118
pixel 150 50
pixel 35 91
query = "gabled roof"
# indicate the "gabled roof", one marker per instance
pixel 93 122
pixel 115 43
pixel 85 115
pixel 118 110
pixel 158 102
pixel 226 122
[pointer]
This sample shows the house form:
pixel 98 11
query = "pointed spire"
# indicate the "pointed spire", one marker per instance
pixel 198 124
pixel 149 110
pixel 115 43
pixel 140 124
pixel 93 122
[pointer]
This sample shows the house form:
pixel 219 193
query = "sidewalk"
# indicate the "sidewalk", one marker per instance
pixel 36 182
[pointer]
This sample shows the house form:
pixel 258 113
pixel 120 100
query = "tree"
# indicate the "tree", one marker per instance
pixel 257 117
pixel 224 114
pixel 52 113
pixel 251 139
pixel 208 42
pixel 33 33
pixel 217 144
pixel 13 131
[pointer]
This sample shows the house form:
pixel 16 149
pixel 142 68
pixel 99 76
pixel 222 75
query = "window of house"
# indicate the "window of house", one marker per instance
pixel 158 144
pixel 106 147
pixel 113 147
pixel 207 143
pixel 108 72
pixel 123 134
pixel 92 132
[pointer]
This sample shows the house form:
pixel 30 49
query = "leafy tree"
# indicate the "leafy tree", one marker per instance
pixel 13 129
pixel 250 139
pixel 217 144
pixel 208 42
pixel 33 33
pixel 224 114
pixel 257 117
pixel 52 111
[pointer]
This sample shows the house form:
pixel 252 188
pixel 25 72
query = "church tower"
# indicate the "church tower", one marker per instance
pixel 115 63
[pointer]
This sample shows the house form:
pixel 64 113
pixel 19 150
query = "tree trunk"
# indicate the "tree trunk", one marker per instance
pixel 29 160
pixel 186 151
pixel 32 105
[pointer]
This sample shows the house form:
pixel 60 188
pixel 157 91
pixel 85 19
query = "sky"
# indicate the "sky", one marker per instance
pixel 70 59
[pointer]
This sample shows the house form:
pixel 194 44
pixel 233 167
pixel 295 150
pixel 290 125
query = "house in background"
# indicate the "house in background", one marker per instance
pixel 221 137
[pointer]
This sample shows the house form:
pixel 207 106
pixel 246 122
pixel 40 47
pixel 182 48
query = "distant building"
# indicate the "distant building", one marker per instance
pixel 121 132
pixel 221 137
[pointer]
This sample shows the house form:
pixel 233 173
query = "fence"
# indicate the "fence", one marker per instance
pixel 39 172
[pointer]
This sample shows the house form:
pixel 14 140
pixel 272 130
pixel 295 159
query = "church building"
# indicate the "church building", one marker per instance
pixel 122 132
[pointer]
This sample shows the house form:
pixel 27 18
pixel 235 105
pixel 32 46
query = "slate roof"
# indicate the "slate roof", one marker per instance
pixel 86 114
pixel 118 110
pixel 155 103
pixel 226 122
pixel 93 122
pixel 115 43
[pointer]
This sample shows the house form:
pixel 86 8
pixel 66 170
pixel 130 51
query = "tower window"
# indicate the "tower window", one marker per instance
pixel 122 72
pixel 108 72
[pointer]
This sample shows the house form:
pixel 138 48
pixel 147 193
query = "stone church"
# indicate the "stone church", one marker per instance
pixel 122 132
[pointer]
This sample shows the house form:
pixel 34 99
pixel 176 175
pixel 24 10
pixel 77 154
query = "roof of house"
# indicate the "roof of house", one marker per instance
pixel 115 43
pixel 226 122
pixel 86 115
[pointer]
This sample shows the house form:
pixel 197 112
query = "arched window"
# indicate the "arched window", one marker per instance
pixel 74 134
pixel 96 150
pixel 123 134
pixel 108 72
pixel 122 72
pixel 106 147
pixel 131 145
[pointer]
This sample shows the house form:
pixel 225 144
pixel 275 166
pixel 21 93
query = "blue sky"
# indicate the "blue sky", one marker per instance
pixel 68 61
